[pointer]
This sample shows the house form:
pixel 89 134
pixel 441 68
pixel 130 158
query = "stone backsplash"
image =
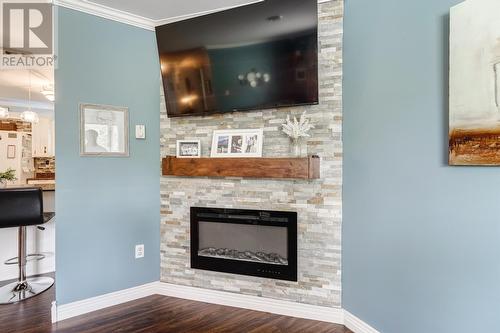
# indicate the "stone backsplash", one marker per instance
pixel 45 164
pixel 318 202
pixel 15 125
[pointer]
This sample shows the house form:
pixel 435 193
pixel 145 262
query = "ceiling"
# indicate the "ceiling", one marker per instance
pixel 157 10
pixel 15 83
pixel 14 90
pixel 148 14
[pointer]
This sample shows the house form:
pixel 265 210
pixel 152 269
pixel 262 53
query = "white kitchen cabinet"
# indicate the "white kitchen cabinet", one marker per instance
pixel 43 134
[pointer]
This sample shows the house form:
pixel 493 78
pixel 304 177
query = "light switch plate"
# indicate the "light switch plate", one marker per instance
pixel 140 131
pixel 139 251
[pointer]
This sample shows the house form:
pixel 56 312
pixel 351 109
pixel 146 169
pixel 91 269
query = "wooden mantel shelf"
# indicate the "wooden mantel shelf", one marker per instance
pixel 283 168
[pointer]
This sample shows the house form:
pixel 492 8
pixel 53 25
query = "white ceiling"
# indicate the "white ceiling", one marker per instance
pixel 15 83
pixel 159 10
pixel 14 90
pixel 148 14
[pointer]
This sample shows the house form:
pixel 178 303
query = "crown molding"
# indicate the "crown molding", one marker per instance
pixel 132 19
pixel 107 13
pixel 136 20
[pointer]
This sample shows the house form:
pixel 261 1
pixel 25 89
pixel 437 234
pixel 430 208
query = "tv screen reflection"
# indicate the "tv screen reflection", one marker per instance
pixel 258 56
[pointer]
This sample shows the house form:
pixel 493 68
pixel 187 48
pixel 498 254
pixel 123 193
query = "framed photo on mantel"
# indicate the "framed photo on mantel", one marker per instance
pixel 104 130
pixel 237 143
pixel 188 148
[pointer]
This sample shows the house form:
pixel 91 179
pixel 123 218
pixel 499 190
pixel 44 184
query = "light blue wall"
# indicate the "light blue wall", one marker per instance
pixel 106 205
pixel 421 240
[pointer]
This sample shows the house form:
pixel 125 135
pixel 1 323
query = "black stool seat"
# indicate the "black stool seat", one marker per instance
pixel 21 207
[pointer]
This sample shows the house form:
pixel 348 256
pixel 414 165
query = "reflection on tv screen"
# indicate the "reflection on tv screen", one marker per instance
pixel 258 56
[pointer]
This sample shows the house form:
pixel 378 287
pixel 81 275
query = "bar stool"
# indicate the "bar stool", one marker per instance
pixel 22 207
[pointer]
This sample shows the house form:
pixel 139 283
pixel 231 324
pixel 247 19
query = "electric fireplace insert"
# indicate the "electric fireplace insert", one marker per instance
pixel 249 242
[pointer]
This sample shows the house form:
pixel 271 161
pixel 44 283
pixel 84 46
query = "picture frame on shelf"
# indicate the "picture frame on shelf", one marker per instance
pixel 188 149
pixel 104 130
pixel 237 143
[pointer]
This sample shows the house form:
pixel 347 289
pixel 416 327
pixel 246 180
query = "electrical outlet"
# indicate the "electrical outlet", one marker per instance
pixel 139 251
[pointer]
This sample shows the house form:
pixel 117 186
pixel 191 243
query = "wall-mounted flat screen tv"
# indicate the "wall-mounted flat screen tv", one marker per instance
pixel 258 56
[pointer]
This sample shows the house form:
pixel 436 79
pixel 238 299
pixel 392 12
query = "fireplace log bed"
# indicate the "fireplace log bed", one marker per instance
pixel 283 168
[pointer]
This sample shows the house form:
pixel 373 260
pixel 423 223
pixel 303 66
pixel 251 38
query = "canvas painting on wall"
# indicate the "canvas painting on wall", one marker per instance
pixel 474 137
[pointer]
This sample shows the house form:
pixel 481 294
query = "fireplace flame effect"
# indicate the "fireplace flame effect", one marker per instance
pixel 261 257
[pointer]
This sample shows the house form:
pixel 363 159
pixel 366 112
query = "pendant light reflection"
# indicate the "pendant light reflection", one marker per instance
pixel 4 112
pixel 48 92
pixel 254 78
pixel 28 115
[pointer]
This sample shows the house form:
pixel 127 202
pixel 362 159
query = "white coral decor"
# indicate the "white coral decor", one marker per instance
pixel 297 129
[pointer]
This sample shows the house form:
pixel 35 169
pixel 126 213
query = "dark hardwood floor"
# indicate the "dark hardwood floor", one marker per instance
pixel 30 316
pixel 155 314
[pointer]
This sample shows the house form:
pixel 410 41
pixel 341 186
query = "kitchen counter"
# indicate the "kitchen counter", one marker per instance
pixel 44 187
pixel 47 184
pixel 48 216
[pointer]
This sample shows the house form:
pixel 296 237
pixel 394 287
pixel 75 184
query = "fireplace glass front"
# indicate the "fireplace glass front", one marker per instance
pixel 249 242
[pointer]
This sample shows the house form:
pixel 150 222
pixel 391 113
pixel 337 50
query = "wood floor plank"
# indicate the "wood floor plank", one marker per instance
pixel 155 314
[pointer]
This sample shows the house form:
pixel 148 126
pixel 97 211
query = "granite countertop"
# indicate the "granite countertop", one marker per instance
pixel 48 216
pixel 44 187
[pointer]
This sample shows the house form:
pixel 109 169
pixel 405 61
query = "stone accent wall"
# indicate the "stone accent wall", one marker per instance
pixel 23 126
pixel 45 164
pixel 15 125
pixel 318 202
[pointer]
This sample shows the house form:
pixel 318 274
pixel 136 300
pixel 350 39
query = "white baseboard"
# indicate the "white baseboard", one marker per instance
pixel 299 310
pixel 287 308
pixel 74 309
pixel 357 325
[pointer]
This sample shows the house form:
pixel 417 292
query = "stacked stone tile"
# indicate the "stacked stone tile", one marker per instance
pixel 318 202
pixel 45 164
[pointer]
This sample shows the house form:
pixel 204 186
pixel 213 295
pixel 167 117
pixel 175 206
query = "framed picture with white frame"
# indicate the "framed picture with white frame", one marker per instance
pixel 188 148
pixel 237 143
pixel 104 130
